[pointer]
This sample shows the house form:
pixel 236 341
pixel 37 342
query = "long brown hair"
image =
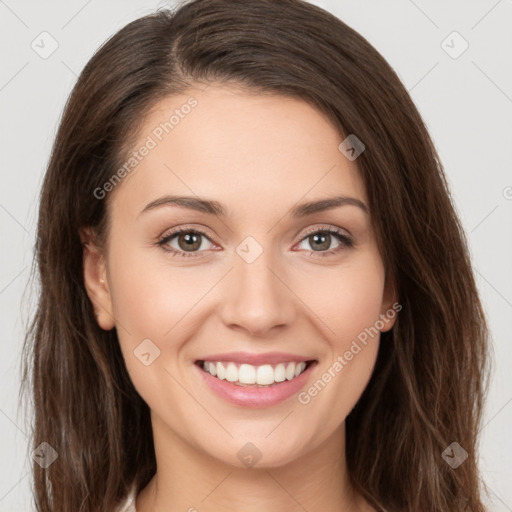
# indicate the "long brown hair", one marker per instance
pixel 431 376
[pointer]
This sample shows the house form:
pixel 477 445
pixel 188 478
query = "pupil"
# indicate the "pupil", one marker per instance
pixel 325 243
pixel 191 241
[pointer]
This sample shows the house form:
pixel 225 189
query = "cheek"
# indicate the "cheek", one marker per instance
pixel 150 296
pixel 348 300
pixel 350 310
pixel 358 305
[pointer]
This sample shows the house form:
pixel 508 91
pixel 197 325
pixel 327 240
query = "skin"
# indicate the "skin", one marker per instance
pixel 259 156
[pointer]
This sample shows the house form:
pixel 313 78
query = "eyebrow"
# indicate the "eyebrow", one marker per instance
pixel 215 208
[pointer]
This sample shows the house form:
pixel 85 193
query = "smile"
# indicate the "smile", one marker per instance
pixel 247 385
pixel 243 374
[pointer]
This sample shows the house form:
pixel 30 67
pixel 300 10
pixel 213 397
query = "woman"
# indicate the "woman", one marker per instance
pixel 194 348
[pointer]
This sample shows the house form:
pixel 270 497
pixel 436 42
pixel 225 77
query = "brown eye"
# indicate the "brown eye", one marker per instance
pixel 189 241
pixel 321 241
pixel 183 241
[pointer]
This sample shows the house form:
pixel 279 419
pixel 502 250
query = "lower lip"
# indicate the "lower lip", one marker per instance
pixel 256 396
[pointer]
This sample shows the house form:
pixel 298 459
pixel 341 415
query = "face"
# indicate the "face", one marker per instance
pixel 259 279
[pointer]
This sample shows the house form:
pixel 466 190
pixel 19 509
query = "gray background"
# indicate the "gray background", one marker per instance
pixel 465 101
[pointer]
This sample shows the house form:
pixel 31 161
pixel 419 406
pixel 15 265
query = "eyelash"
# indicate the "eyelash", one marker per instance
pixel 345 242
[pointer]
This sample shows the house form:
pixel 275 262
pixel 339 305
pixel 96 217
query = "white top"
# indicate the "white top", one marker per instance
pixel 129 504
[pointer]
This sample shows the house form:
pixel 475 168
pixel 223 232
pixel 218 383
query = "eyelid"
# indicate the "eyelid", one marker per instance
pixel 192 227
pixel 324 227
pixel 185 228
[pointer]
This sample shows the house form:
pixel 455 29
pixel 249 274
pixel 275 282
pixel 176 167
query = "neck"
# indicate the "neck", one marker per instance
pixel 191 480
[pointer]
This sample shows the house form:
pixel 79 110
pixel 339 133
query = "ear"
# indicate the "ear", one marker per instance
pixel 390 305
pixel 95 280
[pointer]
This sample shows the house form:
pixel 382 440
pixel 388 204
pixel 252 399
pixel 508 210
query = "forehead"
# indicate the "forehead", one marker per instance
pixel 250 151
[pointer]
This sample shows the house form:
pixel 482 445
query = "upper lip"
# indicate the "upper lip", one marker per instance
pixel 256 359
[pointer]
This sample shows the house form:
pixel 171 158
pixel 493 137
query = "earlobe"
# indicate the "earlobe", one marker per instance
pixel 95 280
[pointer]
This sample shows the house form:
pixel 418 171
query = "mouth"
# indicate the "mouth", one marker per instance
pixel 255 376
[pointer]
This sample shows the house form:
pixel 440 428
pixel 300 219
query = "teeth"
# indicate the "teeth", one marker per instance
pixel 247 374
pixel 221 371
pixel 232 372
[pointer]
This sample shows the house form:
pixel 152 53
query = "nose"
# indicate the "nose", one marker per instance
pixel 257 298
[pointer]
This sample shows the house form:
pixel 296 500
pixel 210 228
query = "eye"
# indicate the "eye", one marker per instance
pixel 321 239
pixel 188 241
